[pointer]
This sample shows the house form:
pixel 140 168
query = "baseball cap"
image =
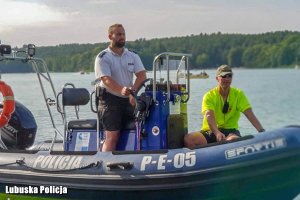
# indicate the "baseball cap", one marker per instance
pixel 223 70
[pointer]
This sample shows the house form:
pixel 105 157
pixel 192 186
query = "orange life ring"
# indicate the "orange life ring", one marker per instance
pixel 8 103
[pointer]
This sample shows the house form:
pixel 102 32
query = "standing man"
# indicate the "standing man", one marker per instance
pixel 115 67
pixel 221 108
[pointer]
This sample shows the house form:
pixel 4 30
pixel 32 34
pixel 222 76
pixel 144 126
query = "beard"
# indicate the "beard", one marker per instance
pixel 120 44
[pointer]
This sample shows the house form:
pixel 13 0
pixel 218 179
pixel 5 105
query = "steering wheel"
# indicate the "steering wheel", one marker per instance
pixel 140 105
pixel 143 84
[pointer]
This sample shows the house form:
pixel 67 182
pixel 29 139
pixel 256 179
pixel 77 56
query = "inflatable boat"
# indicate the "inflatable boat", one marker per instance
pixel 150 161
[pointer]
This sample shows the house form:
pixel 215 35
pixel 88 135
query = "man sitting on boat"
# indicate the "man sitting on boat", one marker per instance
pixel 115 67
pixel 221 108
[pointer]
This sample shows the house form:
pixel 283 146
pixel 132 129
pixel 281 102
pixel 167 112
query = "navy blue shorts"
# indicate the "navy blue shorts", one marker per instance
pixel 210 137
pixel 115 112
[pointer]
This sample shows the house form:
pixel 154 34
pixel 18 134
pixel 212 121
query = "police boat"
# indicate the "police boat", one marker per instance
pixel 150 161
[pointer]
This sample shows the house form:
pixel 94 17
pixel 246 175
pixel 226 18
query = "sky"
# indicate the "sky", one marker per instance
pixel 54 22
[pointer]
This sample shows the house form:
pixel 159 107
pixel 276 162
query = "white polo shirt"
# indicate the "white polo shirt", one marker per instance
pixel 119 68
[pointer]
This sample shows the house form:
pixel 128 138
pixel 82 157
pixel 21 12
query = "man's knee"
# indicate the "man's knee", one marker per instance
pixel 194 139
pixel 188 140
pixel 232 136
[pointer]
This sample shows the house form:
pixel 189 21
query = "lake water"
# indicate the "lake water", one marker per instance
pixel 273 93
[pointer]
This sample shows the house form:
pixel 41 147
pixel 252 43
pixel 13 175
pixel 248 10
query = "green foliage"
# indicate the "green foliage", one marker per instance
pixel 202 59
pixel 274 49
pixel 235 56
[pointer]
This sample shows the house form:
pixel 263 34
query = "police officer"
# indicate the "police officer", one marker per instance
pixel 115 67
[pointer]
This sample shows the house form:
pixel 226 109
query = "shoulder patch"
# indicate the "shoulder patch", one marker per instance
pixel 132 51
pixel 102 54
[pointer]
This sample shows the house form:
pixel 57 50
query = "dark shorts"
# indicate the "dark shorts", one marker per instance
pixel 210 137
pixel 115 112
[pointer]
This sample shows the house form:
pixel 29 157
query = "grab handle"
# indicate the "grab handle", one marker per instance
pixel 120 166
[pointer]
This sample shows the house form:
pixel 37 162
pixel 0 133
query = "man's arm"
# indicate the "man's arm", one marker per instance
pixel 140 77
pixel 254 121
pixel 211 120
pixel 113 85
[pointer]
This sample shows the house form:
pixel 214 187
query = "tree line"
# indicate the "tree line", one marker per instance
pixel 266 50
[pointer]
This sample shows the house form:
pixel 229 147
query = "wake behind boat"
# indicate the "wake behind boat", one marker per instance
pixel 150 161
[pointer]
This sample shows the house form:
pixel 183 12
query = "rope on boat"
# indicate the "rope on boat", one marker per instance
pixel 6 164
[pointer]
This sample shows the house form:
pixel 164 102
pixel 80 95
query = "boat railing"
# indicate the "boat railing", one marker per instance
pixel 42 72
pixel 157 64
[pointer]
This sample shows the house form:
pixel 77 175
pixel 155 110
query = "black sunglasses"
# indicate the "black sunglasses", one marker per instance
pixel 227 76
pixel 225 107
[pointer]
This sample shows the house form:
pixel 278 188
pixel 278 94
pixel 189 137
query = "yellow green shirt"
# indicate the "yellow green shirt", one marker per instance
pixel 213 100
